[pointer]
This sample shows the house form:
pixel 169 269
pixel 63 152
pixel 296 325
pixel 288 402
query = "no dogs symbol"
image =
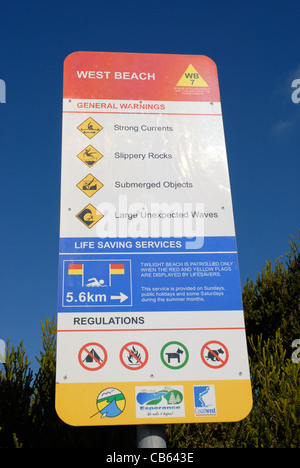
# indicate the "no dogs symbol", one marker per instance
pixel 214 354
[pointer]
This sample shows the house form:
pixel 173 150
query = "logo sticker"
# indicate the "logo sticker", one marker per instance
pixel 110 403
pixel 204 400
pixel 159 402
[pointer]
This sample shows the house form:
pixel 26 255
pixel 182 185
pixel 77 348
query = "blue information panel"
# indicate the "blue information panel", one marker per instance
pixel 95 282
pixel 143 278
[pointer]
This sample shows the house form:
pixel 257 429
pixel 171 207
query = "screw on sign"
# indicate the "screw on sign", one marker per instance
pixel 214 354
pixel 92 356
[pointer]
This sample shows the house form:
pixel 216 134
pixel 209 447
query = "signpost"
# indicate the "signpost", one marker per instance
pixel 150 319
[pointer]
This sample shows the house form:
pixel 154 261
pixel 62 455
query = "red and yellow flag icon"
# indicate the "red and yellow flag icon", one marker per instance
pixel 116 269
pixel 75 269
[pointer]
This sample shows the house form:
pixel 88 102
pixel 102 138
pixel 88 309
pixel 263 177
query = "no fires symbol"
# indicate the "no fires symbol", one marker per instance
pixel 134 355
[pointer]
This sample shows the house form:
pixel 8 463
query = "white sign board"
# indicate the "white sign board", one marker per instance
pixel 150 319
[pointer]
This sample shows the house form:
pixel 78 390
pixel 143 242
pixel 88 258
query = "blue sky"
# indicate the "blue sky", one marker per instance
pixel 255 46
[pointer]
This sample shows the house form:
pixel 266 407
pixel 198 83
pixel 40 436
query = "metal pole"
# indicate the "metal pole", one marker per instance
pixel 151 436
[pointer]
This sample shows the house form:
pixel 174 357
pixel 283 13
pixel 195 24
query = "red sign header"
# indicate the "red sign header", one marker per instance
pixel 160 77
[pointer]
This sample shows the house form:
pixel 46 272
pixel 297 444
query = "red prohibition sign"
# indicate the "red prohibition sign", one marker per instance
pixel 217 354
pixel 92 361
pixel 134 358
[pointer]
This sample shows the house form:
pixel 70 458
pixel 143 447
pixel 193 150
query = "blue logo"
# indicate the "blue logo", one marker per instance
pixel 157 401
pixel 154 398
pixel 204 400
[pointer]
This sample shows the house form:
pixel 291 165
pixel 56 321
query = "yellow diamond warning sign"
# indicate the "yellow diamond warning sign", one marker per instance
pixel 90 127
pixel 89 216
pixel 192 78
pixel 89 155
pixel 89 185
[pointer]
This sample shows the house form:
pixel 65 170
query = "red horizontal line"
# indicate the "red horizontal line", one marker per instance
pixel 152 329
pixel 136 113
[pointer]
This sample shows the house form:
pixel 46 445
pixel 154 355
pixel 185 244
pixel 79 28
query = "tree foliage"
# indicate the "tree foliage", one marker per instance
pixel 272 314
pixel 275 417
pixel 272 303
pixel 27 405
